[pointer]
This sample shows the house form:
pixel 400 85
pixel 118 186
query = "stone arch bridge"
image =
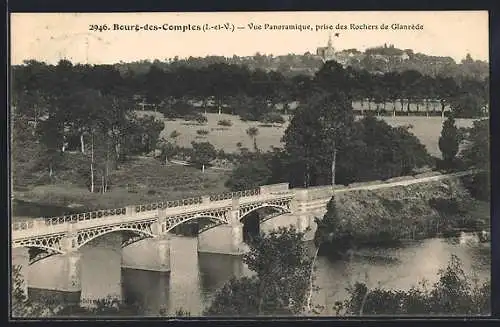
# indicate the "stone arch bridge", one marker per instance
pixel 38 239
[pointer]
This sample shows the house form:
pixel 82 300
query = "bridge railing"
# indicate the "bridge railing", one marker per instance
pixel 85 216
pixel 232 195
pixel 168 204
pixel 23 225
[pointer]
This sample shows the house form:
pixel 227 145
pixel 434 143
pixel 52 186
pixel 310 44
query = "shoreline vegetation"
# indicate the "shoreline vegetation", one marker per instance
pixel 363 219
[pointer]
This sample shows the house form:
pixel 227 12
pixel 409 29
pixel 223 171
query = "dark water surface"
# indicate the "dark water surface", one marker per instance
pixel 194 277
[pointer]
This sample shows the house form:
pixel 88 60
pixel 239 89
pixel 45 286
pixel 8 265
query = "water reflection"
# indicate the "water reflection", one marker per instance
pixel 397 268
pixel 194 277
pixel 147 290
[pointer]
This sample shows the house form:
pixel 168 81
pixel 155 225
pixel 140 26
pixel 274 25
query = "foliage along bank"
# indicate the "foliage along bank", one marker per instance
pixel 362 218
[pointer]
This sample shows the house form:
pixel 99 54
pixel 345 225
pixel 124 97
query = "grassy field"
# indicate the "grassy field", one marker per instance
pixel 141 180
pixel 427 129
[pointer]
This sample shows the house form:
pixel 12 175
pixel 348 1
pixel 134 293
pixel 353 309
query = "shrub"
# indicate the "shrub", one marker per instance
pixel 202 132
pixel 224 122
pixel 273 118
pixel 455 293
pixel 200 119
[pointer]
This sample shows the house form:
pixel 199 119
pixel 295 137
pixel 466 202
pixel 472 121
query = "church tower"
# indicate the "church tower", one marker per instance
pixel 328 52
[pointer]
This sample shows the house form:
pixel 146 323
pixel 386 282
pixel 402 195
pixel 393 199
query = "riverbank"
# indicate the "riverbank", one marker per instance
pixel 415 212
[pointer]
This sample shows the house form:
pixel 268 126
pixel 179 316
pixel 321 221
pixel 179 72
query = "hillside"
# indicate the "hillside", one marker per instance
pixel 413 211
pixel 379 59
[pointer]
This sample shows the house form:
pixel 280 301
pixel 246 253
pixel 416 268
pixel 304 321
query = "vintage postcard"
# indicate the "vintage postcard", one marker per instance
pixel 249 164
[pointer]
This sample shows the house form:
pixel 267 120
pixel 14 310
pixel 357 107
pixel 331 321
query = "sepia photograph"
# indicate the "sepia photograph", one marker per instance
pixel 249 164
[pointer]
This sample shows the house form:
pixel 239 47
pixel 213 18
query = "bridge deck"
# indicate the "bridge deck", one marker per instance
pixel 201 206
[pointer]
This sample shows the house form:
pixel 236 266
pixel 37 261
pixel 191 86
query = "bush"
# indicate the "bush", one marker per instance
pixel 221 154
pixel 455 293
pixel 198 117
pixel 224 122
pixel 273 118
pixel 479 186
pixel 202 132
pixel 248 175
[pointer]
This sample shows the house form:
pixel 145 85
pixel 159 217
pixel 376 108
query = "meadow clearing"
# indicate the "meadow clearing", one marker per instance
pixel 139 180
pixel 427 129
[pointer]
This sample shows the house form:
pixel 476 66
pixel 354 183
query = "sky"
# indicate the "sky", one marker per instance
pixel 50 37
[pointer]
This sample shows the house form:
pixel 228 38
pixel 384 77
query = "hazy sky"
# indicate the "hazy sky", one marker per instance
pixel 49 37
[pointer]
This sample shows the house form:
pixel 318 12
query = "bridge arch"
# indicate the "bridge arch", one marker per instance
pixel 216 221
pixel 88 236
pixel 252 225
pixel 38 252
pixel 280 210
pixel 42 247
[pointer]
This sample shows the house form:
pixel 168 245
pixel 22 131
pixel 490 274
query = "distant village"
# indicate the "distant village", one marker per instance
pixel 376 60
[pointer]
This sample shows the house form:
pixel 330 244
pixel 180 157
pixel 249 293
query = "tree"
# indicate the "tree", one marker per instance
pixel 51 139
pixel 316 132
pixel 410 81
pixel 333 77
pixel 155 84
pixel 21 306
pixel 254 108
pixel 174 135
pixel 470 100
pixel 328 225
pixel 249 175
pixel 25 151
pixel 281 283
pixel 449 141
pixel 203 153
pixel 252 132
pixel 476 154
pixel 446 89
pixel 333 234
pixel 273 117
pixel 391 82
pixel 143 134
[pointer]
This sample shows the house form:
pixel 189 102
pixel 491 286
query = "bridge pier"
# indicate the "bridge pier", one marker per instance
pixel 306 224
pixel 71 274
pixel 101 269
pixel 151 254
pixel 223 239
pixel 163 245
pixel 302 223
pixel 227 238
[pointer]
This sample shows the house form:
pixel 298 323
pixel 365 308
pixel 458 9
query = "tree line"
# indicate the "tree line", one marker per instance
pixel 234 88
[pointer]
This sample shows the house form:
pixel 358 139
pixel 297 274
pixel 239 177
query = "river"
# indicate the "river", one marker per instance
pixel 194 278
